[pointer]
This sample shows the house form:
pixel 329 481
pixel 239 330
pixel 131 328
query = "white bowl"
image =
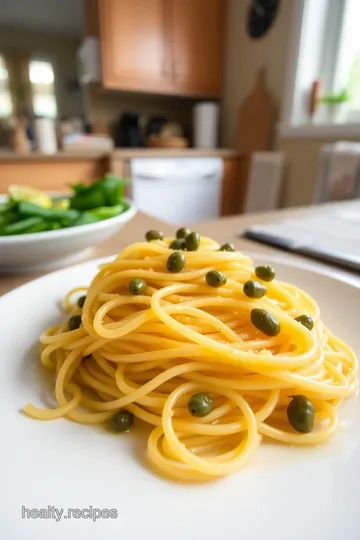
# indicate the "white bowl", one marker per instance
pixel 50 249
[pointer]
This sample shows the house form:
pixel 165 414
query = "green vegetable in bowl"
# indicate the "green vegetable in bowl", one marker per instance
pixel 106 192
pixel 41 226
pixel 28 211
pixel 3 208
pixel 86 218
pixel 23 226
pixel 91 197
pixel 8 217
pixel 106 212
pixel 51 214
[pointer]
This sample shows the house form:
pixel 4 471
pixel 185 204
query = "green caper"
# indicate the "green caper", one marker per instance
pixel 227 247
pixel 266 273
pixel 265 321
pixel 254 289
pixel 178 243
pixel 215 278
pixel 300 413
pixel 81 301
pixel 74 322
pixel 154 235
pixel 175 262
pixel 183 232
pixel 306 321
pixel 122 420
pixel 200 404
pixel 192 241
pixel 137 286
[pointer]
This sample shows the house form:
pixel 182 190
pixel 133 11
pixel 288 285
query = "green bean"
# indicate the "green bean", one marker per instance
pixel 21 227
pixel 106 212
pixel 86 218
pixel 52 214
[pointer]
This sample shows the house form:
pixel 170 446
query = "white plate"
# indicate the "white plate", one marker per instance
pixel 284 494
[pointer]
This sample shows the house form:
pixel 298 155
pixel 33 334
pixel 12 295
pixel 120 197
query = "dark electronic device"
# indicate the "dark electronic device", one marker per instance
pixel 261 16
pixel 127 131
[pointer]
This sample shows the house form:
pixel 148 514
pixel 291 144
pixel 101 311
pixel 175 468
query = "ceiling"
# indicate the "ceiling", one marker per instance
pixel 60 16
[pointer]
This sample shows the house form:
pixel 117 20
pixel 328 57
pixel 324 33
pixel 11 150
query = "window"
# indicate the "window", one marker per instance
pixel 325 47
pixel 348 65
pixel 6 106
pixel 41 75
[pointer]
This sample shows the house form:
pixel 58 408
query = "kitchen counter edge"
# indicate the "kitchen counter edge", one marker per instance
pixel 121 153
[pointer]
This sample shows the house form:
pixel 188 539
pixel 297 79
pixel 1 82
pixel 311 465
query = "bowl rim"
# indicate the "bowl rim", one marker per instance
pixel 69 231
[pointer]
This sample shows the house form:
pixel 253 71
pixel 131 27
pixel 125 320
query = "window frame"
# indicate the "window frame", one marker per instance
pixel 41 57
pixel 6 89
pixel 299 74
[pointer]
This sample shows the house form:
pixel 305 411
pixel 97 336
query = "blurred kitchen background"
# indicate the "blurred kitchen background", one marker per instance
pixel 203 104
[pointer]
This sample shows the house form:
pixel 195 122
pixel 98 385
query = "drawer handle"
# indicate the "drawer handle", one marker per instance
pixel 144 177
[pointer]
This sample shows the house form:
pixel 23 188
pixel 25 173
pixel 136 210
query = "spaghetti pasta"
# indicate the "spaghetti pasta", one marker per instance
pixel 150 349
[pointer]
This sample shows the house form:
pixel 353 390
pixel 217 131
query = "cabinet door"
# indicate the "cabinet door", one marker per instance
pixel 198 46
pixel 133 36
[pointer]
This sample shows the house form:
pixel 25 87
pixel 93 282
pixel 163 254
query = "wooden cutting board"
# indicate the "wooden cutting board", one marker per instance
pixel 256 117
pixel 254 130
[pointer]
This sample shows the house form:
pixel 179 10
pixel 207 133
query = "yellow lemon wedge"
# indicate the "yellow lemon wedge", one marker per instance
pixel 61 204
pixel 26 193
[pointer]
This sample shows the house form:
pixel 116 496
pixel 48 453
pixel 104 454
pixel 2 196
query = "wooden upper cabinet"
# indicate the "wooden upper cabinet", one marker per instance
pixel 163 46
pixel 198 46
pixel 134 52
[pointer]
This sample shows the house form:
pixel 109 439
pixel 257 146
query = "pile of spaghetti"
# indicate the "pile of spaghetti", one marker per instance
pixel 205 348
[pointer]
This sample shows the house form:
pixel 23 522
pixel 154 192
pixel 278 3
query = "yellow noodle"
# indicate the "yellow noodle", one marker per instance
pixel 150 353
